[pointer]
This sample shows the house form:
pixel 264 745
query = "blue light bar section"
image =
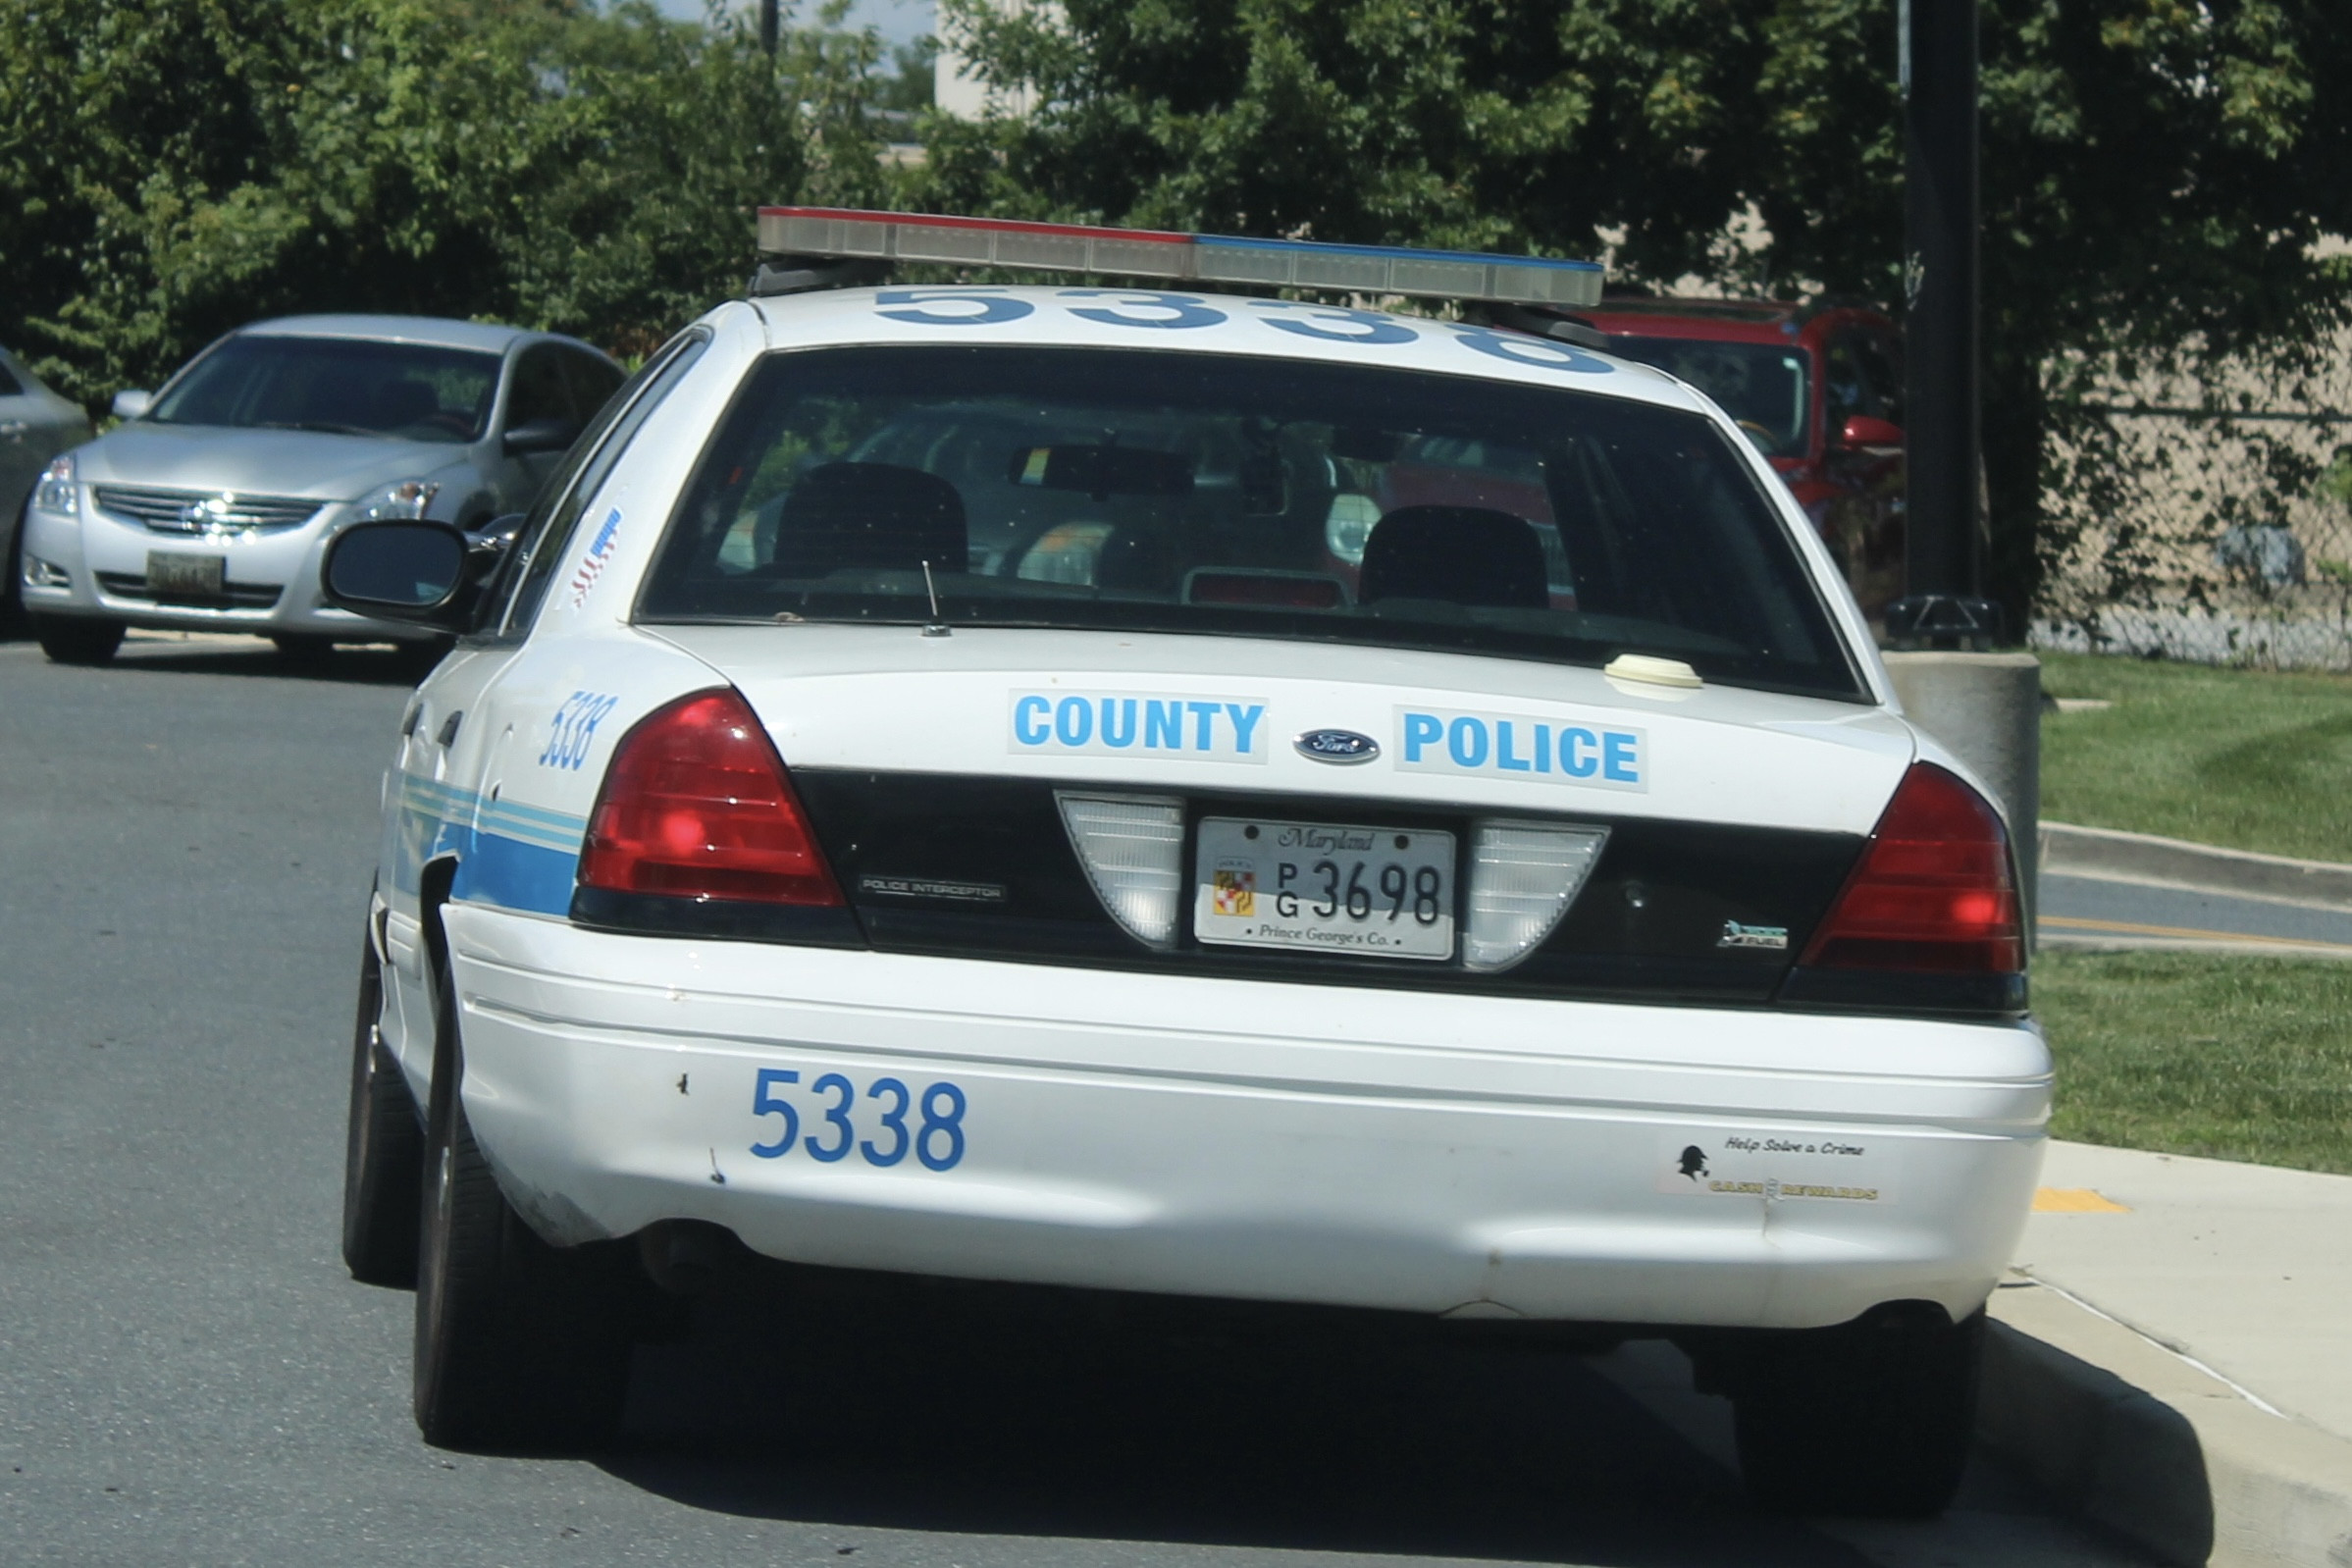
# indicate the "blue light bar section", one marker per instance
pixel 839 233
pixel 1392 270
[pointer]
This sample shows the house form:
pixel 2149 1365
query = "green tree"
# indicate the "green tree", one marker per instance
pixel 2158 175
pixel 184 166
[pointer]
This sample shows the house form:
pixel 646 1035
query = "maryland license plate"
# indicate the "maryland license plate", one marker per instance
pixel 171 575
pixel 1377 891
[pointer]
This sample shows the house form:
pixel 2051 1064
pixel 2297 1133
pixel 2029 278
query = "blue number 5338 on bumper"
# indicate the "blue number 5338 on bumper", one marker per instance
pixel 938 1144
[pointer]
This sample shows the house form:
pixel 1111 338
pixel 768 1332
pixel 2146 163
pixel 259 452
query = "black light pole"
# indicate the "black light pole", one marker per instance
pixel 1986 706
pixel 767 27
pixel 1939 283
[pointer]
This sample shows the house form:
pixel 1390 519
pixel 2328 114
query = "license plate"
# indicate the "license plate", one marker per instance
pixel 171 575
pixel 1381 892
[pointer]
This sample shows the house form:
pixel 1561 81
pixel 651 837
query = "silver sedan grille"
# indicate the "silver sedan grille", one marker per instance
pixel 198 511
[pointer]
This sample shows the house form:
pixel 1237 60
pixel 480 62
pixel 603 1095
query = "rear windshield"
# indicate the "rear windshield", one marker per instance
pixel 347 386
pixel 1242 497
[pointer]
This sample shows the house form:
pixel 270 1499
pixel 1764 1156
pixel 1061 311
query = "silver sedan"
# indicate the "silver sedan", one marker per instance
pixel 211 504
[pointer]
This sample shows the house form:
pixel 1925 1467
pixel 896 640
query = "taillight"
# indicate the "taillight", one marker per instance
pixel 697 806
pixel 1933 890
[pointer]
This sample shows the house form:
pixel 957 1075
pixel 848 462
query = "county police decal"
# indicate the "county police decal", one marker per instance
pixel 1202 729
pixel 1507 746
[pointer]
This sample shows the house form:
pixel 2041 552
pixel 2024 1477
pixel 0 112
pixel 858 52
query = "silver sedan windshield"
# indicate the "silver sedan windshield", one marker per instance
pixel 345 386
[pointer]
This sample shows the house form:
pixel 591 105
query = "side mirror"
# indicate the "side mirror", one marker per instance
pixel 549 435
pixel 130 404
pixel 403 570
pixel 1862 430
pixel 499 533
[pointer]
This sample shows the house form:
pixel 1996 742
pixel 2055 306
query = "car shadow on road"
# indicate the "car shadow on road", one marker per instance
pixel 369 664
pixel 1066 1415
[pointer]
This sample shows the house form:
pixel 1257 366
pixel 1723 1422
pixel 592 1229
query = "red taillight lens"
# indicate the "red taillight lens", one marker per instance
pixel 1933 890
pixel 698 805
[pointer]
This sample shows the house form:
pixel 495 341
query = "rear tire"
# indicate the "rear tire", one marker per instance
pixel 384 1150
pixel 12 586
pixel 76 640
pixel 301 647
pixel 419 659
pixel 1872 1419
pixel 519 1344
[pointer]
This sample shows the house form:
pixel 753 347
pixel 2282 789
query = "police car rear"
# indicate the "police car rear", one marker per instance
pixel 1209 795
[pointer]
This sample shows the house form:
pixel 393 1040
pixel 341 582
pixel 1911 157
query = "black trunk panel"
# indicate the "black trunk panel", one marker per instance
pixel 982 867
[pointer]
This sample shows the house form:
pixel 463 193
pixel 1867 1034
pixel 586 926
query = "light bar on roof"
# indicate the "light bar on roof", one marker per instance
pixel 846 235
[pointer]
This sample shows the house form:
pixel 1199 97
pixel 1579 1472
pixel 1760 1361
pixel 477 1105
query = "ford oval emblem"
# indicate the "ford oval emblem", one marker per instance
pixel 1336 746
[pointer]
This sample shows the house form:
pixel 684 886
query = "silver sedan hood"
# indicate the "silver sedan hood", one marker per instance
pixel 259 462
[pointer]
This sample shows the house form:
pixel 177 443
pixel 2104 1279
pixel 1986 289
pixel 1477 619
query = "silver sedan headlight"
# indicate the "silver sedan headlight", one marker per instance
pixel 404 498
pixel 57 492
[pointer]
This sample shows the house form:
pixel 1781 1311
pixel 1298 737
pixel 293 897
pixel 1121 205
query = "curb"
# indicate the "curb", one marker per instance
pixel 2070 850
pixel 2147 1444
pixel 2046 940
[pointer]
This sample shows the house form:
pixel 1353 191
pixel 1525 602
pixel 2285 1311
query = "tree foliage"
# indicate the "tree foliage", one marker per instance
pixel 180 167
pixel 2158 174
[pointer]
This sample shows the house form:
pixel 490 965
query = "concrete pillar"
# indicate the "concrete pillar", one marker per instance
pixel 1987 709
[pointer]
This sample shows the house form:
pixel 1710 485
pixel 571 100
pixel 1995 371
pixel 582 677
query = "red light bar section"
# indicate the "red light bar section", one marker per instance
pixel 842 234
pixel 836 231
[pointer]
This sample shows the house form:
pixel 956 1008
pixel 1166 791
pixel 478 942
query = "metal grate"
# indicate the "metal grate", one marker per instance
pixel 234 596
pixel 198 511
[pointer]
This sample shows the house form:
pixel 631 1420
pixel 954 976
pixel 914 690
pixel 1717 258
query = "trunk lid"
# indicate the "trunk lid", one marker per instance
pixel 931 769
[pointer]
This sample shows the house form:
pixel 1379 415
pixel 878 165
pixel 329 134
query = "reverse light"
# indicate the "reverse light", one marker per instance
pixel 1523 878
pixel 1933 891
pixel 1133 847
pixel 698 805
pixel 58 493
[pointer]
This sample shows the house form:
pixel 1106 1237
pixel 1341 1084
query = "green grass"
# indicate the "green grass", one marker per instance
pixel 2191 1053
pixel 2248 760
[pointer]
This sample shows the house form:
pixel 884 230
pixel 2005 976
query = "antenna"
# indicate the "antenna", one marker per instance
pixel 937 627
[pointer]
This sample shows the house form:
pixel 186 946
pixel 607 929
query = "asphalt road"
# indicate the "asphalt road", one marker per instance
pixel 2097 911
pixel 187 1375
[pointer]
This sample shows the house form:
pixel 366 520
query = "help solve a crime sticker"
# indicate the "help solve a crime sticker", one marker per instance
pixel 1779 1165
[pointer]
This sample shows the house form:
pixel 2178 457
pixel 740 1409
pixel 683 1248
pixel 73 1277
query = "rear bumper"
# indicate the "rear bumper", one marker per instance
pixel 1434 1154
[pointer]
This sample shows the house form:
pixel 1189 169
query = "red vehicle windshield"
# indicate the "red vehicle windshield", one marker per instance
pixel 1762 386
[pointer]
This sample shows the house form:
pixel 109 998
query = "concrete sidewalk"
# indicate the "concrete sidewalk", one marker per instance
pixel 2173 1354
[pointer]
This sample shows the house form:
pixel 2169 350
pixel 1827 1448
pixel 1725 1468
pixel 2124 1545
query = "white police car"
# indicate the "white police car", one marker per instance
pixel 1186 793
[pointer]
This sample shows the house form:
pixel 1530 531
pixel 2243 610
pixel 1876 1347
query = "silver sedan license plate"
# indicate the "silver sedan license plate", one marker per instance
pixel 1333 888
pixel 171 575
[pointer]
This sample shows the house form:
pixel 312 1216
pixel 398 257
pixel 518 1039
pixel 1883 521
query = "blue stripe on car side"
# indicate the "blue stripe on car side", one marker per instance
pixel 517 875
pixel 511 854
pixel 560 821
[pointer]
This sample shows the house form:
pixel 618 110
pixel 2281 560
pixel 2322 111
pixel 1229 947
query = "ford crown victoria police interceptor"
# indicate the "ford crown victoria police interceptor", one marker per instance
pixel 1177 792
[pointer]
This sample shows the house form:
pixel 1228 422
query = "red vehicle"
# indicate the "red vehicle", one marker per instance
pixel 1818 389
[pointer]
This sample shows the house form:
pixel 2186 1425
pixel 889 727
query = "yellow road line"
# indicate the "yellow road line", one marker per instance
pixel 2067 922
pixel 2075 1200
